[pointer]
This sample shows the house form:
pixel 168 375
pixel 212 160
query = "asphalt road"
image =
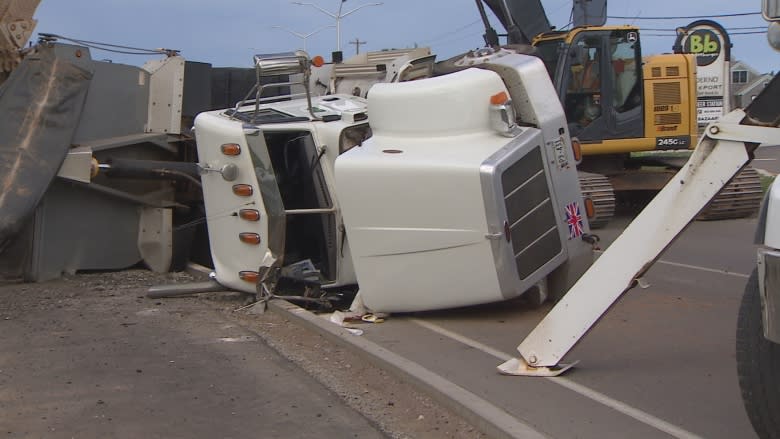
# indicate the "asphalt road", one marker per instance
pixel 661 363
pixel 768 159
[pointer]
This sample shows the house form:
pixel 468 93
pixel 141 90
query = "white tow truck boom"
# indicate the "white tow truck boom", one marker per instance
pixel 725 148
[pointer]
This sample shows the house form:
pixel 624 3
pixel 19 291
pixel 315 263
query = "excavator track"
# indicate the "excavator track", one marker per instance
pixel 740 198
pixel 599 189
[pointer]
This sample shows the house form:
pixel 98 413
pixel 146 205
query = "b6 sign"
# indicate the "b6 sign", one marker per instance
pixel 705 44
pixel 710 43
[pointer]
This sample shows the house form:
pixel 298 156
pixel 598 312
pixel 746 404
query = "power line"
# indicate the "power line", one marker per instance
pixel 461 37
pixel 729 29
pixel 730 34
pixel 740 14
pixel 446 34
pixel 748 33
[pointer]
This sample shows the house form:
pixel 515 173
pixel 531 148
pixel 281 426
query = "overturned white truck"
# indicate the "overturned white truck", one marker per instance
pixel 462 190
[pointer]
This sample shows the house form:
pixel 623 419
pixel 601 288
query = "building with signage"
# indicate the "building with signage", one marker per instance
pixel 710 44
pixel 746 83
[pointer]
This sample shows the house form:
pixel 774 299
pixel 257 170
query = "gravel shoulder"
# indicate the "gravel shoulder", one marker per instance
pixel 90 356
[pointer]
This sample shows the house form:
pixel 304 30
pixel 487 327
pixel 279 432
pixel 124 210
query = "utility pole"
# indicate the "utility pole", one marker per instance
pixel 337 16
pixel 357 44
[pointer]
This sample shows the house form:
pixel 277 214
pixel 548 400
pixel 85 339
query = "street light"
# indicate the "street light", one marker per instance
pixel 337 16
pixel 303 36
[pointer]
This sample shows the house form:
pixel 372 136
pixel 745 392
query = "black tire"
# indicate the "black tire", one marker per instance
pixel 758 365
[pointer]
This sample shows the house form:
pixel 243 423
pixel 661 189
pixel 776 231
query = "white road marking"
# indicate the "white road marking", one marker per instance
pixel 587 392
pixel 241 339
pixel 696 267
pixel 710 270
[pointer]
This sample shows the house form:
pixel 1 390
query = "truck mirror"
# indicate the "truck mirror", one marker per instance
pixel 771 10
pixel 773 35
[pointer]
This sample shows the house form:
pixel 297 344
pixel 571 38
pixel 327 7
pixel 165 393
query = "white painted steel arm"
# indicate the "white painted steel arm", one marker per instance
pixel 711 166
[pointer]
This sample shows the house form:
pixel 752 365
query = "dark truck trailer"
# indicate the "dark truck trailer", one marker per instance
pixel 99 162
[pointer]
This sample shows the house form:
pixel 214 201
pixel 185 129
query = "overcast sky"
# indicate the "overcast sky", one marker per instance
pixel 229 32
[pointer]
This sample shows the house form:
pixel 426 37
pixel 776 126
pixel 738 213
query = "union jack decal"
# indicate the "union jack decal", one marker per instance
pixel 574 220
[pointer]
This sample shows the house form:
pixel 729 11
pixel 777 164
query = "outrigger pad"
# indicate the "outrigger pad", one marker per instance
pixel 518 367
pixel 41 104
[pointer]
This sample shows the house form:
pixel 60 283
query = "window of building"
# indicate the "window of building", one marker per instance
pixel 739 76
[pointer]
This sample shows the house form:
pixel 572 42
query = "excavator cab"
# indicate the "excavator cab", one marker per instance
pixel 598 77
pixel 615 101
pixel 617 104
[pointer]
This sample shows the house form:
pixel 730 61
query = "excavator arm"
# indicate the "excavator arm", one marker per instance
pixel 725 148
pixel 16 27
pixel 522 19
pixel 525 19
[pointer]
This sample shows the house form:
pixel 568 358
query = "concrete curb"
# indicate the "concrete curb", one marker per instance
pixel 488 418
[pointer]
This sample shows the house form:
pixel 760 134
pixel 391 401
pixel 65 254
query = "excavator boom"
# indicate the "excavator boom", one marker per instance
pixel 525 19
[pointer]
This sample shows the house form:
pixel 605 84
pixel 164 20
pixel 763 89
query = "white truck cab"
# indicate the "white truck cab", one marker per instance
pixel 269 185
pixel 768 262
pixel 758 325
pixel 462 190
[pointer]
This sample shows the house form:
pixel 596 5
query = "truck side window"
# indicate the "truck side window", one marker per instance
pixel 353 136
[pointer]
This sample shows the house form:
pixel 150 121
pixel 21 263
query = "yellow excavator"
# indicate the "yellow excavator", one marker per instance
pixel 619 103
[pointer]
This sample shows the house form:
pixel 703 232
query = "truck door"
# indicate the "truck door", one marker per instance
pixel 310 214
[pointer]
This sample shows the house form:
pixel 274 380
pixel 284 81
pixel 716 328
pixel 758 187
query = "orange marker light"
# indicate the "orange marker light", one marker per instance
pixel 576 148
pixel 590 208
pixel 231 149
pixel 249 214
pixel 318 61
pixel 499 98
pixel 249 238
pixel 249 276
pixel 243 190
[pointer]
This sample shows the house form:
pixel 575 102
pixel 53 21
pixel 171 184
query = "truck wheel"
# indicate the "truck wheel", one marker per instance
pixel 758 365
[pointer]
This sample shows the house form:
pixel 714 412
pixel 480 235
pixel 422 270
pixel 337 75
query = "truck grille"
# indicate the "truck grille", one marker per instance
pixel 530 213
